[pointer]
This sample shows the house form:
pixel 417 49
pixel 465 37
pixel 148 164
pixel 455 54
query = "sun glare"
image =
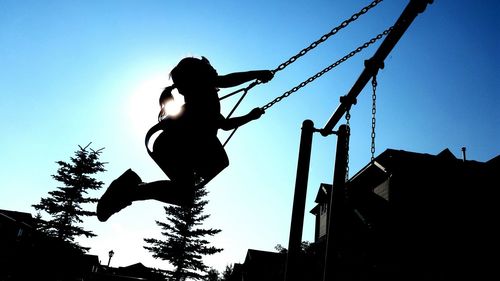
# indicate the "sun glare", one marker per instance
pixel 173 108
pixel 143 107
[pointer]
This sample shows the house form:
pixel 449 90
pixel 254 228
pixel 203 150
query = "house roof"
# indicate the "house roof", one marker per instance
pixel 17 217
pixel 90 259
pixel 395 161
pixel 323 190
pixel 494 162
pixel 135 269
pixel 257 256
pixel 321 197
pixel 390 160
pixel 376 172
pixel 263 266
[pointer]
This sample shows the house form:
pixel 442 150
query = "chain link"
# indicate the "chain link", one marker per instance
pixel 374 111
pixel 327 35
pixel 313 45
pixel 328 68
pixel 347 119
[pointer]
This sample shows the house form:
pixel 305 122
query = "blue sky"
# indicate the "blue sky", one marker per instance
pixel 75 72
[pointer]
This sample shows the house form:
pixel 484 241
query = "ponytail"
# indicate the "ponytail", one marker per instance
pixel 165 97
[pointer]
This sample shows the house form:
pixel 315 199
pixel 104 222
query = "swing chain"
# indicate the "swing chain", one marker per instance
pixel 319 41
pixel 306 50
pixel 374 111
pixel 328 68
pixel 327 35
pixel 347 119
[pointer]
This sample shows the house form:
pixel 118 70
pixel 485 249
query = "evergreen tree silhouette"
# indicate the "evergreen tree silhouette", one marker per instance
pixel 184 245
pixel 212 275
pixel 64 205
pixel 228 271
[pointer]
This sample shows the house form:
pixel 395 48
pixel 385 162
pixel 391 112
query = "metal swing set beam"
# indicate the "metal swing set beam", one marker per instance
pixel 375 63
pixel 337 196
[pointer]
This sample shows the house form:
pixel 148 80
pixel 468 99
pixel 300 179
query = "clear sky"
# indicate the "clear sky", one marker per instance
pixel 74 72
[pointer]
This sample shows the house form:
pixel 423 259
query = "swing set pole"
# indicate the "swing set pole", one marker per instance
pixel 375 63
pixel 292 269
pixel 336 207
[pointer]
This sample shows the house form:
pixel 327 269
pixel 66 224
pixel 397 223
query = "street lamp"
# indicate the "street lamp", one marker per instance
pixel 110 253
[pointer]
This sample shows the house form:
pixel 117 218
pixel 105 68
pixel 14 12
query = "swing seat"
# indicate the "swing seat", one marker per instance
pixel 180 153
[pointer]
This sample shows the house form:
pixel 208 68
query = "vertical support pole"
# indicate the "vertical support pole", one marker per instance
pixel 299 202
pixel 336 205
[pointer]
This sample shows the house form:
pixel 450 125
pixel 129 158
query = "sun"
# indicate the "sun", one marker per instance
pixel 143 106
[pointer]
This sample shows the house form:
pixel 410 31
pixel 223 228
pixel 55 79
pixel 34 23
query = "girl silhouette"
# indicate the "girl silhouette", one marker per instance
pixel 187 149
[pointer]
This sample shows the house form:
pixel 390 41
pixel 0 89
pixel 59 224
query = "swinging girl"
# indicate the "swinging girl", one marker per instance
pixel 187 149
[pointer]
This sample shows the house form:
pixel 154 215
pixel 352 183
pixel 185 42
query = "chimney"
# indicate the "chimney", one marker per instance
pixel 463 154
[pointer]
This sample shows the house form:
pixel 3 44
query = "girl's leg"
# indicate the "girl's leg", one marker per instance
pixel 170 192
pixel 129 188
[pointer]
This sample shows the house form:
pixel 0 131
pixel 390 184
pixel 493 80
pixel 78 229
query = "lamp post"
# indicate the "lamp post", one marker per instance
pixel 110 253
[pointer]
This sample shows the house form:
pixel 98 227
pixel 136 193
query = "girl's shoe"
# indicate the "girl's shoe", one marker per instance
pixel 118 195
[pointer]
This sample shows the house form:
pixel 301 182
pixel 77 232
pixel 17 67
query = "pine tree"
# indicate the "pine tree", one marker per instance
pixel 212 275
pixel 228 271
pixel 64 205
pixel 184 244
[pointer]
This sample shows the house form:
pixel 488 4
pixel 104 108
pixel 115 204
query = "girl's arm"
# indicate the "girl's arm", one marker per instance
pixel 237 78
pixel 233 123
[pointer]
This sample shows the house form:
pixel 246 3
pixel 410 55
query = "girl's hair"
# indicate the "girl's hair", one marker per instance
pixel 188 74
pixel 165 97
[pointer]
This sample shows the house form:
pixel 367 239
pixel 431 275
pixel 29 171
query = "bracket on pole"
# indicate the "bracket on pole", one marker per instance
pixel 375 63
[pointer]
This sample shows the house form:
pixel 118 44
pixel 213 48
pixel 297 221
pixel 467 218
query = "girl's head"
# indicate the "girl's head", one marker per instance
pixel 193 74
pixel 190 76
